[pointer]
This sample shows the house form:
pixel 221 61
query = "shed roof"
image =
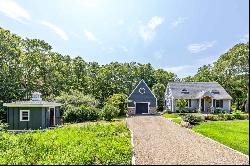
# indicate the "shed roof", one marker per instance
pixel 32 104
pixel 198 90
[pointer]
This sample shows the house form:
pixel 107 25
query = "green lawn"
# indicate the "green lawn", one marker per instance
pixel 87 143
pixel 177 120
pixel 234 134
pixel 170 115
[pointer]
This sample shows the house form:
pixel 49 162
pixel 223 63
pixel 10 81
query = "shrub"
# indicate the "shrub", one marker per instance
pixel 3 126
pixel 219 111
pixel 185 124
pixel 72 114
pixel 228 117
pixel 243 116
pixel 186 110
pixel 119 101
pixel 76 99
pixel 237 114
pixel 109 112
pixel 89 113
pixel 193 119
pixel 212 117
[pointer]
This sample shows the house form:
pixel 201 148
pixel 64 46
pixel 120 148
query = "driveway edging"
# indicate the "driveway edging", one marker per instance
pixel 212 140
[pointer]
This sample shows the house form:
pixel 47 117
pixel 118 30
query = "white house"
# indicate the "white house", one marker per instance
pixel 204 96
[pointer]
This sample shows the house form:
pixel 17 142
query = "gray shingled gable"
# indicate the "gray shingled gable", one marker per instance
pixel 197 89
pixel 136 96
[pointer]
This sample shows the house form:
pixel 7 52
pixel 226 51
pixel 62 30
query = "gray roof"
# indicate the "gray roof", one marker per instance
pixel 32 104
pixel 197 90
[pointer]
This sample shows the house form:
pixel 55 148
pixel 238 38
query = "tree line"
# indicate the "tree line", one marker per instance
pixel 28 65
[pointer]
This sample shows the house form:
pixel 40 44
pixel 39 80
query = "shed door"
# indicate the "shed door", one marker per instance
pixel 141 108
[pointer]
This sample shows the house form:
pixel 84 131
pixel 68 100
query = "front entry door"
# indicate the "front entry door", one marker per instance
pixel 141 108
pixel 202 105
pixel 52 117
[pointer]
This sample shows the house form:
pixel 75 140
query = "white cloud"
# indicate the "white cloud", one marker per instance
pixel 190 70
pixel 89 35
pixel 148 31
pixel 179 69
pixel 198 47
pixel 121 22
pixel 56 29
pixel 179 21
pixel 245 38
pixel 13 10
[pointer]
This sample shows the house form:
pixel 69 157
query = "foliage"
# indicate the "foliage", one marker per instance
pixel 234 134
pixel 181 104
pixel 81 114
pixel 177 120
pixel 237 114
pixel 170 115
pixel 76 98
pixel 159 91
pixel 187 110
pixel 220 111
pixel 3 126
pixel 212 117
pixel 224 117
pixel 3 115
pixel 193 119
pixel 87 144
pixel 109 112
pixel 89 113
pixel 119 101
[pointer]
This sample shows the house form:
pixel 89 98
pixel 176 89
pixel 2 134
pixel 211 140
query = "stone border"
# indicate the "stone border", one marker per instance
pixel 132 143
pixel 216 142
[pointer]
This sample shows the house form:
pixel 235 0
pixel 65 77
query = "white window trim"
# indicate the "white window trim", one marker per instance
pixel 21 111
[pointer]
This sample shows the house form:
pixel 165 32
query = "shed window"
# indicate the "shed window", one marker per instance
pixel 24 115
pixel 219 103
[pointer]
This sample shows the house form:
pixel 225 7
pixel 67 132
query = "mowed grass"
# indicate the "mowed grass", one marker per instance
pixel 177 120
pixel 234 134
pixel 93 143
pixel 170 115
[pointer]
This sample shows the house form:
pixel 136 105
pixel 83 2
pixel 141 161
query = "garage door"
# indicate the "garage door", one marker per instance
pixel 141 108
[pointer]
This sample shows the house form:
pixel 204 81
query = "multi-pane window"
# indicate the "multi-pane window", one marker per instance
pixel 219 103
pixel 24 115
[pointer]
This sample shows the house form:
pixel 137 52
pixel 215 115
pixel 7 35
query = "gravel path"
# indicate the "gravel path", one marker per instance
pixel 159 141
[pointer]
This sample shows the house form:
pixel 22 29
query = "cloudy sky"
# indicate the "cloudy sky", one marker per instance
pixel 177 35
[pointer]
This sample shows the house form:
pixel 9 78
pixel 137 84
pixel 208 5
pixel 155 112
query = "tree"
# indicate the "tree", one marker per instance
pixel 159 91
pixel 119 101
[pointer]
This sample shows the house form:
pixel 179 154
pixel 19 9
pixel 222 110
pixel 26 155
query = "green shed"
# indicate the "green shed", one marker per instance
pixel 34 114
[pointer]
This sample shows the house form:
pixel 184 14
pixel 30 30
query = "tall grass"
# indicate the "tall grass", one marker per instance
pixel 95 143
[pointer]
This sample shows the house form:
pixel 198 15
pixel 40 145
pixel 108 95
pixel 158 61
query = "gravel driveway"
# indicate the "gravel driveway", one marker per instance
pixel 159 141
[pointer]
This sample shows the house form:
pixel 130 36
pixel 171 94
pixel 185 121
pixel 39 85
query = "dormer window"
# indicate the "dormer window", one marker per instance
pixel 185 91
pixel 215 92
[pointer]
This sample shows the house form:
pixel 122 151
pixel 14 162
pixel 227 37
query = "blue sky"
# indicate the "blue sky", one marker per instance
pixel 176 35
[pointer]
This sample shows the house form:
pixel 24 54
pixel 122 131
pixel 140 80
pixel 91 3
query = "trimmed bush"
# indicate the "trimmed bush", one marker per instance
pixel 212 117
pixel 109 112
pixel 193 119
